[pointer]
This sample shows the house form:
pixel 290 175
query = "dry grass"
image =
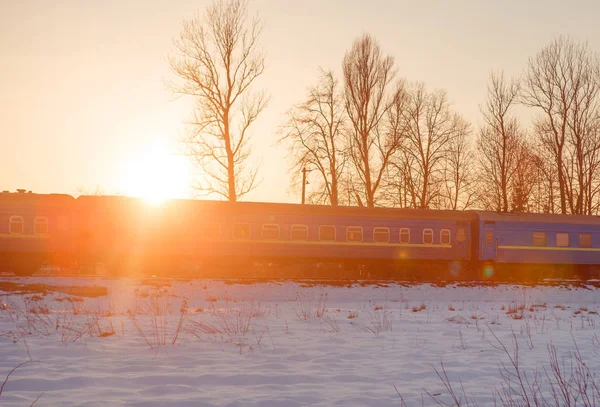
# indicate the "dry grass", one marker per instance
pixel 457 319
pixel 95 326
pixel 516 311
pixel 380 320
pixel 421 307
pixel 310 307
pixel 330 325
pixel 557 383
pixel 157 308
pixel 231 325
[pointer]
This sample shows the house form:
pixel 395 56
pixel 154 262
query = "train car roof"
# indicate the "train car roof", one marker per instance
pixel 538 218
pixel 226 207
pixel 22 197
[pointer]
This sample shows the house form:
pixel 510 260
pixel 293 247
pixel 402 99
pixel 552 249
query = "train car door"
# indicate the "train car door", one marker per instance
pixel 461 244
pixel 488 242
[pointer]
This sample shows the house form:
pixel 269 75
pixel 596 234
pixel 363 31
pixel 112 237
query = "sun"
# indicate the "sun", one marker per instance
pixel 155 173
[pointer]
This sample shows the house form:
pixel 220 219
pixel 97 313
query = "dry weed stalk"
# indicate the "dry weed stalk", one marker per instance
pixel 13 370
pixel 158 308
pixel 461 340
pixel 569 382
pixel 307 308
pixel 378 321
pixel 231 324
pixel 516 389
pixel 458 399
pixel 21 333
pixel 330 325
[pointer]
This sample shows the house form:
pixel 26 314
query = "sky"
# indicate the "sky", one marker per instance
pixel 84 103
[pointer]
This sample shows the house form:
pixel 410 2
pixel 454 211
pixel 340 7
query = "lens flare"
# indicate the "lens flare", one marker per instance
pixel 402 254
pixel 455 269
pixel 488 271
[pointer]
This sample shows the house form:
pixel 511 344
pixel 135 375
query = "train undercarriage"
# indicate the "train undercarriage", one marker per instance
pixel 298 269
pixel 333 269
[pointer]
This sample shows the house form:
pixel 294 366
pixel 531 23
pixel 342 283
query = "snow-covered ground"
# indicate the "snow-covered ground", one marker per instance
pixel 219 343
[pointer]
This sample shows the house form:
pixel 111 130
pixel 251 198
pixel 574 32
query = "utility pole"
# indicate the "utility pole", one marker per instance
pixel 303 183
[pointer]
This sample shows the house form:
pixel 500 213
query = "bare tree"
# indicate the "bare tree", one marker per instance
pixel 399 186
pixel 314 133
pixel 459 182
pixel 563 84
pixel 543 194
pixel 431 130
pixel 498 143
pixel 370 102
pixel 218 60
pixel 526 178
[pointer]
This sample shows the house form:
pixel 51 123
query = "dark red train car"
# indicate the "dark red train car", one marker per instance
pixel 35 229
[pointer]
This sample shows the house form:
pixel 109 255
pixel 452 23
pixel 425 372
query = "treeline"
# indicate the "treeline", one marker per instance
pixel 378 140
pixel 372 138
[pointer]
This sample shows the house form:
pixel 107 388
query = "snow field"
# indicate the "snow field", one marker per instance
pixel 219 343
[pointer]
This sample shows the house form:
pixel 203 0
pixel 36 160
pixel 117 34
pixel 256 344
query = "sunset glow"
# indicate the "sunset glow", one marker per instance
pixel 156 174
pixel 261 202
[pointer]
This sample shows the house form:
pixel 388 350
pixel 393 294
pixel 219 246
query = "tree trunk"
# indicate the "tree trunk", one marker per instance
pixel 231 195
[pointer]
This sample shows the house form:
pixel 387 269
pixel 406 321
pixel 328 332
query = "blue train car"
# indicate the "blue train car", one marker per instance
pixel 382 241
pixel 35 229
pixel 124 231
pixel 324 232
pixel 539 238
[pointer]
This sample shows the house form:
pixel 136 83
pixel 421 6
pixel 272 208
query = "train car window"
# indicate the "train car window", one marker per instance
pixel 461 235
pixel 562 239
pixel 210 231
pixel 15 225
pixel 381 235
pixel 445 236
pixel 489 238
pixel 270 232
pixel 40 226
pixel 241 231
pixel 585 240
pixel 299 232
pixel 354 234
pixel 327 232
pixel 428 236
pixel 539 239
pixel 404 235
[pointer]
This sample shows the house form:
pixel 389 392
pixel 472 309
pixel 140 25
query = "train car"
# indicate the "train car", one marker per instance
pixel 35 229
pixel 388 242
pixel 210 235
pixel 127 235
pixel 116 233
pixel 539 244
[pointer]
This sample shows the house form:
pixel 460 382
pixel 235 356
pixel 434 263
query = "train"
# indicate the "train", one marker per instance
pixel 121 235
